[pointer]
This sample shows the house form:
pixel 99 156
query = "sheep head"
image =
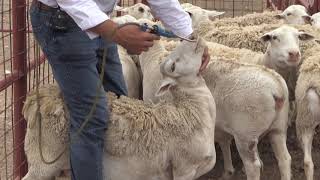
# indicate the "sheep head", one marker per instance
pixel 182 66
pixel 138 11
pixel 294 14
pixel 283 47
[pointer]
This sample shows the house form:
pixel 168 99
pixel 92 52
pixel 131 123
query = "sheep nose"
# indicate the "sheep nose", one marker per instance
pixel 294 56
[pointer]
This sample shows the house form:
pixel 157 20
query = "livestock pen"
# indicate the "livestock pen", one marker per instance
pixel 19 59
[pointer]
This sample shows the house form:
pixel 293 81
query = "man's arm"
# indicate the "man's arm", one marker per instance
pixel 172 16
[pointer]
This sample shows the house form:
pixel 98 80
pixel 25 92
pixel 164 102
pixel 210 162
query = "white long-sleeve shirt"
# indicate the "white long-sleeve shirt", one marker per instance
pixel 90 13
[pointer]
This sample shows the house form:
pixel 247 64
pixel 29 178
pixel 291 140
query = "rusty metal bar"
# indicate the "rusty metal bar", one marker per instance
pixel 15 75
pixel 19 86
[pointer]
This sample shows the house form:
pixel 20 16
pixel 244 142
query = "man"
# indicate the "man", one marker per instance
pixel 71 33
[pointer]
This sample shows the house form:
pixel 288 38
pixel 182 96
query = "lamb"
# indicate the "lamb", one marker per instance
pixel 308 106
pixel 169 140
pixel 294 14
pixel 138 11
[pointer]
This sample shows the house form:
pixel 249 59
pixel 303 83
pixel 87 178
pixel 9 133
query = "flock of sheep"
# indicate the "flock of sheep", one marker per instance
pixel 263 76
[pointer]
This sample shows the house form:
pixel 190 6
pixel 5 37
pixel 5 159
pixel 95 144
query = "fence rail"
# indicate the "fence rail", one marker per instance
pixel 17 68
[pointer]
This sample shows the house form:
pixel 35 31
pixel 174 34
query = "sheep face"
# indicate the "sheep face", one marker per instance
pixel 183 63
pixel 138 11
pixel 294 14
pixel 283 47
pixel 185 60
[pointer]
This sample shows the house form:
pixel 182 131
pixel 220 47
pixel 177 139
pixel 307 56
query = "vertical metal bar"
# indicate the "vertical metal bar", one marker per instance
pixel 19 86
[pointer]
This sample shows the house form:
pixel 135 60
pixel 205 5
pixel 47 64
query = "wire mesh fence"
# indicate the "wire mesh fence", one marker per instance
pixel 18 63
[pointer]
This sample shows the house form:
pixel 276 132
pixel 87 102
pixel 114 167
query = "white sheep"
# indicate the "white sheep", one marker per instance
pixel 131 73
pixel 251 102
pixel 249 36
pixel 138 11
pixel 266 17
pixel 242 85
pixel 197 14
pixel 314 20
pixel 294 14
pixel 282 53
pixel 308 106
pixel 169 140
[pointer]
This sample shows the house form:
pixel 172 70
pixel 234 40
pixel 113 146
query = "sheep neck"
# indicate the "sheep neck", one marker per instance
pixel 289 74
pixel 195 91
pixel 153 55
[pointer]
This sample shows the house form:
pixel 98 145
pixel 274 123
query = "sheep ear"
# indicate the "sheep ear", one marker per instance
pixel 213 15
pixel 307 19
pixel 305 36
pixel 279 16
pixel 165 86
pixel 190 14
pixel 266 37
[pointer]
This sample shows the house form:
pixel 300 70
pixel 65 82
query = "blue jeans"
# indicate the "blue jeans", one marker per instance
pixel 75 60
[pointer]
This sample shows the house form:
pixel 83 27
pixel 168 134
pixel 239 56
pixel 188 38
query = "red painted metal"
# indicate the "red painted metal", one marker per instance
pixel 19 86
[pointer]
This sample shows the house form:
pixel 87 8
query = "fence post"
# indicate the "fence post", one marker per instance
pixel 19 86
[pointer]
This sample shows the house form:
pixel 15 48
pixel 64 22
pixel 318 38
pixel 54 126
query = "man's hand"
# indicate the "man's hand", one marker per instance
pixel 133 39
pixel 130 36
pixel 205 59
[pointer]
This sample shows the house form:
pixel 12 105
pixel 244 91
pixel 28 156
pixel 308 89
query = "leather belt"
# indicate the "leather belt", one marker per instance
pixel 43 6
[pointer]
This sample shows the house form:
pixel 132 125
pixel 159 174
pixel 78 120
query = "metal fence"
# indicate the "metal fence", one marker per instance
pixel 17 68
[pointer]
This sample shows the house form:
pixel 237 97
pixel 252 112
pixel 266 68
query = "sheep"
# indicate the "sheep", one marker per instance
pixel 138 11
pixel 197 14
pixel 266 17
pixel 294 14
pixel 241 80
pixel 131 73
pixel 314 20
pixel 282 54
pixel 170 140
pixel 308 106
pixel 248 109
pixel 249 37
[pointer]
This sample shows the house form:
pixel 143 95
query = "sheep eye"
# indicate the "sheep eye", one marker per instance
pixel 289 14
pixel 173 67
pixel 141 9
pixel 274 37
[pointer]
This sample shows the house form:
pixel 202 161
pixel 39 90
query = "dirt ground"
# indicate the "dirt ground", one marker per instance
pixel 270 168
